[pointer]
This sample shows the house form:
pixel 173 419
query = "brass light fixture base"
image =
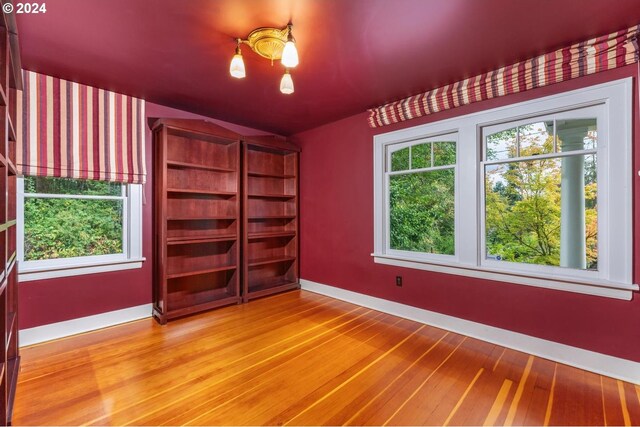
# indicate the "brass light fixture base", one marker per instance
pixel 268 42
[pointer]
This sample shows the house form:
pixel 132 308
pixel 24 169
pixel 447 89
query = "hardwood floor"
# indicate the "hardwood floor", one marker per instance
pixel 299 359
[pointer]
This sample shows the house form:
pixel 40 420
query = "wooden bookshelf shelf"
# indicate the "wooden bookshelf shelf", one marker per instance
pixel 270 203
pixel 200 272
pixel 271 235
pixel 261 290
pixel 203 218
pixel 10 90
pixel 11 319
pixel 272 196
pixel 197 303
pixel 189 241
pixel 269 175
pixel 12 133
pixel 273 260
pixel 209 192
pixel 196 215
pixel 176 164
pixel 269 217
pixel 12 168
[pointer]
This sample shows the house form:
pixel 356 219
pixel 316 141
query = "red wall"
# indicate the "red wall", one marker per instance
pixel 337 240
pixel 55 300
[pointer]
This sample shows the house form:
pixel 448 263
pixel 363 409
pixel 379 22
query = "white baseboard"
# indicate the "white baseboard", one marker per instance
pixel 83 324
pixel 599 363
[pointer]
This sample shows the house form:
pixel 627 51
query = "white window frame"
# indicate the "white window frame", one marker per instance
pixel 615 178
pixel 392 148
pixel 130 258
pixel 595 111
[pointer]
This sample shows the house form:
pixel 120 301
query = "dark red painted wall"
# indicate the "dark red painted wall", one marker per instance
pixel 55 300
pixel 337 240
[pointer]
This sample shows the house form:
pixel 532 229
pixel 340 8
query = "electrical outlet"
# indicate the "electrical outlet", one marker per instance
pixel 399 281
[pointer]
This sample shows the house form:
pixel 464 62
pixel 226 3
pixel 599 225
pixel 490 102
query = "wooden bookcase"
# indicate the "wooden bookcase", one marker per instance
pixel 10 87
pixel 270 217
pixel 196 217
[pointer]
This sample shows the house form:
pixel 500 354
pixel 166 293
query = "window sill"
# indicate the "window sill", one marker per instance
pixel 601 288
pixel 77 269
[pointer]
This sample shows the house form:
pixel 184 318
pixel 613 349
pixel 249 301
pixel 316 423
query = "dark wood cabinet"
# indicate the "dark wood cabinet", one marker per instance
pixel 196 217
pixel 10 89
pixel 270 205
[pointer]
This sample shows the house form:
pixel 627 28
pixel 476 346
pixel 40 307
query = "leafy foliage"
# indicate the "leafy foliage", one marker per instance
pixel 422 204
pixel 66 227
pixel 523 203
pixel 522 198
pixel 422 212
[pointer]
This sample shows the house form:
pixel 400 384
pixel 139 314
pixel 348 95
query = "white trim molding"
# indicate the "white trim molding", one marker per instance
pixel 130 258
pixel 610 104
pixel 67 328
pixel 599 363
pixel 601 288
pixel 78 269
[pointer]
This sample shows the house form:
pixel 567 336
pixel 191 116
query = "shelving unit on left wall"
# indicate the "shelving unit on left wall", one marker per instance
pixel 10 88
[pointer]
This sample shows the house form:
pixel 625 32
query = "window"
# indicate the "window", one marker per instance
pixel 541 192
pixel 537 193
pixel 421 189
pixel 70 227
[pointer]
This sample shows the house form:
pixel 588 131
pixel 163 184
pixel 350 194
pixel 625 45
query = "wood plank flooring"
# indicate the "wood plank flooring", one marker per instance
pixel 305 359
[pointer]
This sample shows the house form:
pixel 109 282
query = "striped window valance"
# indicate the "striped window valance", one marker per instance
pixel 69 130
pixel 595 55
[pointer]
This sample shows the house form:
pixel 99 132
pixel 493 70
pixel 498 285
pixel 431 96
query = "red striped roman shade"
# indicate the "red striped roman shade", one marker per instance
pixel 595 55
pixel 69 130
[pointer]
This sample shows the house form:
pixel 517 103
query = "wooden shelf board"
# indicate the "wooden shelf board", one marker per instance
pixel 4 99
pixel 268 289
pixel 13 367
pixel 269 175
pixel 203 218
pixel 192 240
pixel 12 132
pixel 186 165
pixel 272 196
pixel 265 217
pixel 11 318
pixel 193 191
pixel 12 168
pixel 255 236
pixel 199 272
pixel 271 260
pixel 225 299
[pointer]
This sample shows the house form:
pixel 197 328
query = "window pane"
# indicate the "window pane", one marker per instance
pixel 578 134
pixel 543 212
pixel 33 184
pixel 421 156
pixel 422 212
pixel 536 138
pixel 501 145
pixel 63 228
pixel 444 153
pixel 400 160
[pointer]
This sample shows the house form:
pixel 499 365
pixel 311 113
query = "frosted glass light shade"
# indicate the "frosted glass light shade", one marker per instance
pixel 290 55
pixel 286 84
pixel 236 69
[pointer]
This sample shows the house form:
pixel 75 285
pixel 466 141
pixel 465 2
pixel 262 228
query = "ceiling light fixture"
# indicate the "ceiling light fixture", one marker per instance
pixel 273 44
pixel 237 64
pixel 286 83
